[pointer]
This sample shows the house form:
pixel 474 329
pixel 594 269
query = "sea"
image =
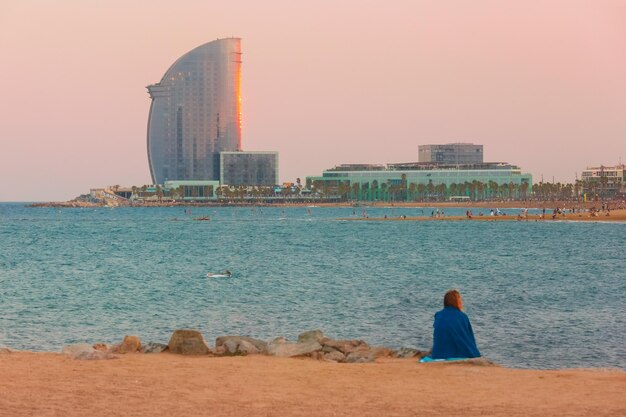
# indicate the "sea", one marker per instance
pixel 543 295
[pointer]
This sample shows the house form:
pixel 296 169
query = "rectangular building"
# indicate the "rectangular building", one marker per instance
pixel 451 153
pixel 411 182
pixel 604 181
pixel 254 168
pixel 192 190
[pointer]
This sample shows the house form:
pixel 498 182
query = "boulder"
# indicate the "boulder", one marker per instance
pixel 83 351
pixel 188 342
pixel 102 347
pixel 130 344
pixel 239 345
pixel 153 348
pixel 317 355
pixel 360 356
pixel 383 352
pixel 282 348
pixel 311 336
pixel 334 356
pixel 410 353
pixel 344 346
pixel 72 350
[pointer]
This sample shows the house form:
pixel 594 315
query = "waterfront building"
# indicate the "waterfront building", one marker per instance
pixel 250 168
pixel 192 190
pixel 604 181
pixel 196 113
pixel 419 181
pixel 451 153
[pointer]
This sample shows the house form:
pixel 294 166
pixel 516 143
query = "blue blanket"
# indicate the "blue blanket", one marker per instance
pixel 453 335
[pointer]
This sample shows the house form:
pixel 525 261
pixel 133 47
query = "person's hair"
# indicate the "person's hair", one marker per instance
pixel 452 299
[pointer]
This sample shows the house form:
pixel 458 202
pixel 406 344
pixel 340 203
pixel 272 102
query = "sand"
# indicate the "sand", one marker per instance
pixel 512 215
pixel 47 384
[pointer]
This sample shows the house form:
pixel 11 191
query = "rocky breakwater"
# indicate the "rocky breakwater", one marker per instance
pixel 311 344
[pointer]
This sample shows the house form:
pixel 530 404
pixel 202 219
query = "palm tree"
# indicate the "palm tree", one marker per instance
pixel 462 187
pixel 441 191
pixel 453 189
pixel 523 189
pixel 403 187
pixel 421 189
pixel 430 188
pixel 512 188
pixel 472 189
pixel 493 188
pixel 374 190
pixel 412 191
pixel 481 190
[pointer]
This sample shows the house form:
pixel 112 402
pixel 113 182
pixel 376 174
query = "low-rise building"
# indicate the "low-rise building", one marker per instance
pixel 419 181
pixel 191 190
pixel 604 181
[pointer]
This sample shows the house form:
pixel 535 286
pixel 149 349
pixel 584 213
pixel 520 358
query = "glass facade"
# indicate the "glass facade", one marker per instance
pixel 196 113
pixel 412 184
pixel 451 153
pixel 249 168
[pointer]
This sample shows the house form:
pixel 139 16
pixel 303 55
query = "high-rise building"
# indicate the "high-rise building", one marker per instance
pixel 196 113
pixel 451 153
pixel 249 168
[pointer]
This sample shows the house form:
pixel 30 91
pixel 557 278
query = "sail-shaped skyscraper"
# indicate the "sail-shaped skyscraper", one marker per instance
pixel 196 113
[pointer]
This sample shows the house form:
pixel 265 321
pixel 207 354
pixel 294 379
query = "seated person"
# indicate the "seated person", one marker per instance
pixel 453 336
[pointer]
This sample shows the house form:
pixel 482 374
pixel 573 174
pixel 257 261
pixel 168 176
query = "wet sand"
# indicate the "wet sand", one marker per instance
pixel 47 384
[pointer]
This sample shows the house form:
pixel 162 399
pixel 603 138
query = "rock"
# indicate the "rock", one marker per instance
pixel 239 345
pixel 72 350
pixel 130 344
pixel 344 346
pixel 360 356
pixel 410 353
pixel 5 350
pixel 334 356
pixel 188 342
pixel 317 355
pixel 383 352
pixel 102 347
pixel 94 356
pixel 153 348
pixel 284 349
pixel 83 351
pixel 311 336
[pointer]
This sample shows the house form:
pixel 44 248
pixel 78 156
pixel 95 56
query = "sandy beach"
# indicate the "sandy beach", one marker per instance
pixel 48 384
pixel 512 215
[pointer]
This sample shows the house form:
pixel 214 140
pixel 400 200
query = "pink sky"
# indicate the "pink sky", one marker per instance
pixel 541 84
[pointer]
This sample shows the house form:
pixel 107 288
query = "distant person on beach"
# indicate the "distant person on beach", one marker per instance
pixel 453 335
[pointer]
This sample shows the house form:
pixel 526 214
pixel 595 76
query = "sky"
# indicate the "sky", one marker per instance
pixel 541 84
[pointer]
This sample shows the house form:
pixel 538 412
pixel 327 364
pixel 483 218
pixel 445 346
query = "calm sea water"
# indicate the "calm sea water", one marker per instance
pixel 539 295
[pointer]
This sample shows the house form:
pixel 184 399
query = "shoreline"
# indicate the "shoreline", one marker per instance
pixel 169 384
pixel 513 204
pixel 616 216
